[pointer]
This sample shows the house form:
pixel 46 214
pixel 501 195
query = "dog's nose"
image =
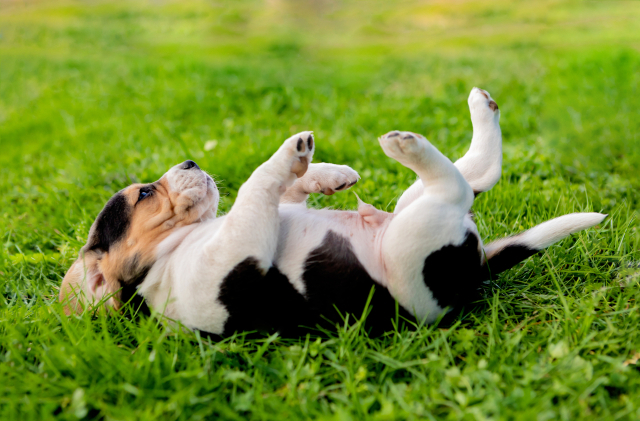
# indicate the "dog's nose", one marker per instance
pixel 187 165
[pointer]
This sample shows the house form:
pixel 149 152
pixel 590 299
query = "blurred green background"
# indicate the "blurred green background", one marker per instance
pixel 95 95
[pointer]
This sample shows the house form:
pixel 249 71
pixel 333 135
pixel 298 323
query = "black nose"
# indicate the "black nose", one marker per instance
pixel 187 165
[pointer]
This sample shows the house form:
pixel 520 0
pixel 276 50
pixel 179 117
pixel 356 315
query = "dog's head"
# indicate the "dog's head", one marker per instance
pixel 123 239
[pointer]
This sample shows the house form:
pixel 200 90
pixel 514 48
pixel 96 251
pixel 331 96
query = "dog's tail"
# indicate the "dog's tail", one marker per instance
pixel 506 252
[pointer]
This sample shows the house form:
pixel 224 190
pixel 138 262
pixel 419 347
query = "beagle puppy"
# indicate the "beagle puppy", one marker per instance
pixel 273 263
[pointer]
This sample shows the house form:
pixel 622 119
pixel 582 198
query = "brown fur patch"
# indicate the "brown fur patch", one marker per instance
pixel 69 290
pixel 493 105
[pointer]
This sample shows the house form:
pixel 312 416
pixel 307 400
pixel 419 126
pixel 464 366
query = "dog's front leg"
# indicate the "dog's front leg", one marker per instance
pixel 320 178
pixel 251 228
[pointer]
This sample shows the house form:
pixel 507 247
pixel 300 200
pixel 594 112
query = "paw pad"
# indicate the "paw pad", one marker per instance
pixel 302 147
pixel 405 147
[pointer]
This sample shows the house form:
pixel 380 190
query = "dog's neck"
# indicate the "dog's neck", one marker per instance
pixel 159 282
pixel 174 239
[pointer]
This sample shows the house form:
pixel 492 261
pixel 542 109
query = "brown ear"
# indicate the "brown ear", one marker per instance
pixel 85 285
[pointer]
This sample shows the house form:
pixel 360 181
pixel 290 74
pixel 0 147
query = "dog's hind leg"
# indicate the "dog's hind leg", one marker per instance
pixel 431 251
pixel 481 166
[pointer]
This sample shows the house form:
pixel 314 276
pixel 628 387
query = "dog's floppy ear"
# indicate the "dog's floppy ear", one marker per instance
pixel 505 253
pixel 85 284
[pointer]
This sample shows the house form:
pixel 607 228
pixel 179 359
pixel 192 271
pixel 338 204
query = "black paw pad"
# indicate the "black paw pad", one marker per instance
pixel 341 186
pixel 300 145
pixel 310 142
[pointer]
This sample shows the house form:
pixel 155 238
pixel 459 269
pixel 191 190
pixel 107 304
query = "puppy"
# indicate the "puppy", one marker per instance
pixel 273 263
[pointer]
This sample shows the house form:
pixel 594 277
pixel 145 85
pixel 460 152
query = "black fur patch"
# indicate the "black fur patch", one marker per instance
pixel 257 301
pixel 111 224
pixel 509 257
pixel 129 293
pixel 335 278
pixel 454 273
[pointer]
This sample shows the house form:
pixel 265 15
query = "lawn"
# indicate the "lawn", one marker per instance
pixel 96 95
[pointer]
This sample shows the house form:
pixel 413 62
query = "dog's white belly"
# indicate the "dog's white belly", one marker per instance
pixel 303 230
pixel 182 285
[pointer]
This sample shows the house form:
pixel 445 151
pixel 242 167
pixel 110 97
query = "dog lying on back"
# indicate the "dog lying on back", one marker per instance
pixel 273 263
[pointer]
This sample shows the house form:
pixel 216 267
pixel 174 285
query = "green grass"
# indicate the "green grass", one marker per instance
pixel 96 95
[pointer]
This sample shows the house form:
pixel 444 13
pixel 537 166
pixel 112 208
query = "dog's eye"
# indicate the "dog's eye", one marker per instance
pixel 144 192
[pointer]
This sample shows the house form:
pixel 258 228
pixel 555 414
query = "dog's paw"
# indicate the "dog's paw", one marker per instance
pixel 299 149
pixel 328 178
pixel 481 103
pixel 404 147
